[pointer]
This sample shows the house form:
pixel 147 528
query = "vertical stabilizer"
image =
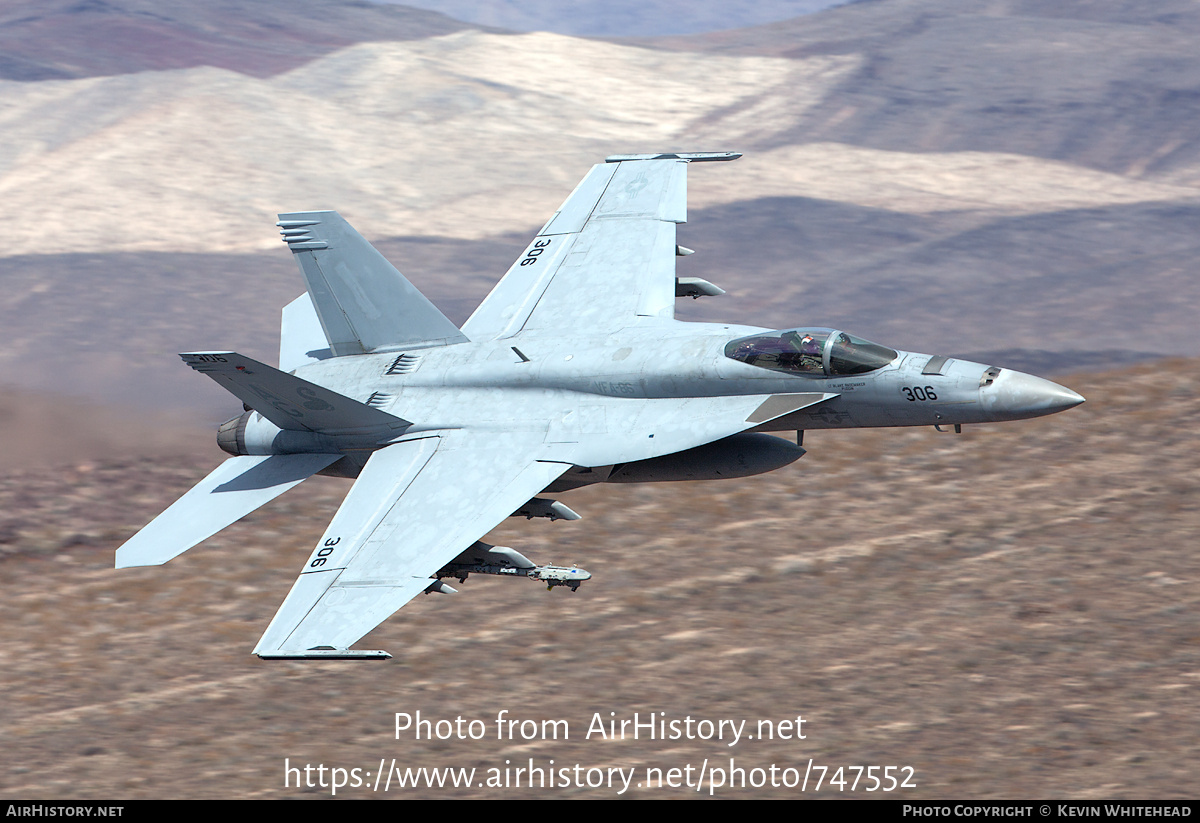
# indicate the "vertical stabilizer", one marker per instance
pixel 301 338
pixel 364 304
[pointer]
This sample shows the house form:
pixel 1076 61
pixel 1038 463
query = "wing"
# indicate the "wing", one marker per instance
pixel 606 256
pixel 416 506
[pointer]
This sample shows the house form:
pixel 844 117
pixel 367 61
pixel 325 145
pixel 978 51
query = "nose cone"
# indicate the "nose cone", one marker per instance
pixel 1014 395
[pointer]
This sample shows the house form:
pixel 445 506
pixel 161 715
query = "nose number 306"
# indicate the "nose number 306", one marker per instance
pixel 914 393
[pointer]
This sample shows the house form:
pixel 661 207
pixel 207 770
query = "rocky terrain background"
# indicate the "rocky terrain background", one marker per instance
pixel 1012 612
pixel 1004 178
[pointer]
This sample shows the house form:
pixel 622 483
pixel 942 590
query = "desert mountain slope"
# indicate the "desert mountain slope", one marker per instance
pixel 60 39
pixel 139 207
pixel 1112 85
pixel 621 18
pixel 1091 287
pixel 467 135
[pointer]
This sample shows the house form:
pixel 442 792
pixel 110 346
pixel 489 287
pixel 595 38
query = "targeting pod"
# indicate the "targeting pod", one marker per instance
pixel 482 558
pixel 560 576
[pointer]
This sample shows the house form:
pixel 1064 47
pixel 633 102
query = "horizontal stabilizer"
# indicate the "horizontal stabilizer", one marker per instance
pixel 363 302
pixel 233 490
pixel 287 401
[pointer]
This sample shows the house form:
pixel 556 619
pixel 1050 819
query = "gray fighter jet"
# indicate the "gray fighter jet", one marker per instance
pixel 573 371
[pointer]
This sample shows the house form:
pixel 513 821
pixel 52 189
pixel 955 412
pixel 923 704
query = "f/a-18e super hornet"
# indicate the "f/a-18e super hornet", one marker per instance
pixel 572 371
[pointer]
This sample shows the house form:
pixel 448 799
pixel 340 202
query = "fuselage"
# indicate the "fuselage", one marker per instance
pixel 535 382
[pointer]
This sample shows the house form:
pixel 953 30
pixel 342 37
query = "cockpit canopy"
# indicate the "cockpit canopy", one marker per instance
pixel 812 352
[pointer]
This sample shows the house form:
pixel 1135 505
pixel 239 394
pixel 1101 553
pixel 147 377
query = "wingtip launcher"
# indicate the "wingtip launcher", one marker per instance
pixel 690 157
pixel 326 654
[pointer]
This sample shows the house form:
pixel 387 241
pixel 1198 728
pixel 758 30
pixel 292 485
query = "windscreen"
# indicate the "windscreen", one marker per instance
pixel 814 352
